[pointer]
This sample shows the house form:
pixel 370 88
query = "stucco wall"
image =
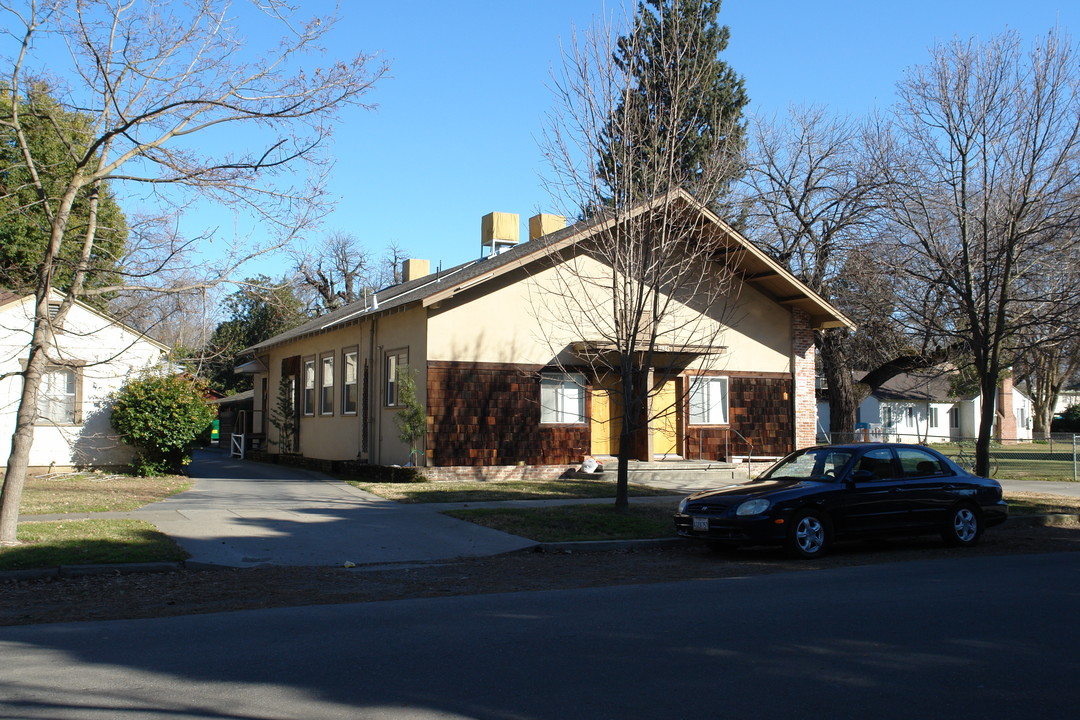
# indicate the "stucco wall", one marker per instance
pixel 531 317
pixel 338 436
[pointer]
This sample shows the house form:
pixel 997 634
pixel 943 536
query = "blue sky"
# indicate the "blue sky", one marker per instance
pixel 459 121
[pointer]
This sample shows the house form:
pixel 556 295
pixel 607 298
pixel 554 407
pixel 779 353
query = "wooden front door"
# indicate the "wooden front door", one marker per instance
pixel 606 419
pixel 665 430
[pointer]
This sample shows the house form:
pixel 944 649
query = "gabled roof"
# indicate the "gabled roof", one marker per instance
pixel 753 265
pixel 918 387
pixel 7 297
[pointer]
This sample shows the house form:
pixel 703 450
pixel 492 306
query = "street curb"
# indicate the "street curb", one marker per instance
pixel 86 570
pixel 604 545
pixel 1052 520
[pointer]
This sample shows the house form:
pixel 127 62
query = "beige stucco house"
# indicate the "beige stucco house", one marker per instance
pixel 94 355
pixel 506 378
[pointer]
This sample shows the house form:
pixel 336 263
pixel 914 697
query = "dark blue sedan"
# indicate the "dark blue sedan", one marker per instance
pixel 836 492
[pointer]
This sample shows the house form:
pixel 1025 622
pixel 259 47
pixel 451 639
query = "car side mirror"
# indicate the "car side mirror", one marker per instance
pixel 862 476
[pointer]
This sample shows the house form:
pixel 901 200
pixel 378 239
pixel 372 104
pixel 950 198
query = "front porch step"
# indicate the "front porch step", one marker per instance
pixel 674 473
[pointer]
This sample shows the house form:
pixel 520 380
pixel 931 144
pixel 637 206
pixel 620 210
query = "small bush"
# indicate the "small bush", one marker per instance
pixel 162 416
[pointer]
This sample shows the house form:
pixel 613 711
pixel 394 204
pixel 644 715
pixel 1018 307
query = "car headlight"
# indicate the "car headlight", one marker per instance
pixel 682 505
pixel 753 507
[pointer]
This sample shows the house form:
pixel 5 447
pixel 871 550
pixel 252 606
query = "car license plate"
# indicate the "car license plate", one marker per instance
pixel 701 523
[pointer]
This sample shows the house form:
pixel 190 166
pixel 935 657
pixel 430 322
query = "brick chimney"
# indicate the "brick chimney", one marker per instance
pixel 412 269
pixel 1006 413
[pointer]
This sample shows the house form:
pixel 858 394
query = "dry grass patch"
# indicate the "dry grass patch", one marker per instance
pixel 495 490
pixel 88 542
pixel 1029 503
pixel 570 523
pixel 96 492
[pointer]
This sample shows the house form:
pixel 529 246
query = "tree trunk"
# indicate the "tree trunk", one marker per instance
pixel 988 388
pixel 843 400
pixel 23 437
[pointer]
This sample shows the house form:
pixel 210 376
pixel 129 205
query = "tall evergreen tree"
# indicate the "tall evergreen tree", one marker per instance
pixel 58 139
pixel 672 56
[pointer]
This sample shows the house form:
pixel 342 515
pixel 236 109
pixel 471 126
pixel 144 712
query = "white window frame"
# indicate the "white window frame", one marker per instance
pixel 709 400
pixel 350 378
pixel 562 398
pixel 326 384
pixel 396 361
pixel 933 417
pixel 309 381
pixel 59 393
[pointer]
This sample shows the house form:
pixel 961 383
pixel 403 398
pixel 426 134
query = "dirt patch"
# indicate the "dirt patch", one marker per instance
pixel 189 592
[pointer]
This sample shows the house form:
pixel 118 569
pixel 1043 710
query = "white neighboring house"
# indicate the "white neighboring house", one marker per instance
pixel 97 354
pixel 918 408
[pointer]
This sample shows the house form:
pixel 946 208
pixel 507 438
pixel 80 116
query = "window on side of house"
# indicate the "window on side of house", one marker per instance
pixel 933 417
pixel 886 416
pixel 708 400
pixel 350 382
pixel 326 384
pixel 397 362
pixel 309 386
pixel 954 418
pixel 562 398
pixel 58 397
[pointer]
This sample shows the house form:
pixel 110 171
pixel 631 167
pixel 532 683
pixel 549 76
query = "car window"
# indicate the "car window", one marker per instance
pixel 815 464
pixel 879 463
pixel 920 463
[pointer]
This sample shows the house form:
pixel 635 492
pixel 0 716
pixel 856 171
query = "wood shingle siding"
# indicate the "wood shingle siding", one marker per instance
pixel 489 414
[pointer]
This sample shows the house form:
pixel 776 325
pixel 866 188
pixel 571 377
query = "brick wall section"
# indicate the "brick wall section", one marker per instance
pixel 495 473
pixel 760 410
pixel 489 415
pixel 803 356
pixel 1006 413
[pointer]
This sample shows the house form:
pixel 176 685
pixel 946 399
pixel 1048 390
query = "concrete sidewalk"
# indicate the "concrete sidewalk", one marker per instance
pixel 245 514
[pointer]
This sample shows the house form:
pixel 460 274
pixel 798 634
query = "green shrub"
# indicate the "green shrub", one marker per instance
pixel 162 416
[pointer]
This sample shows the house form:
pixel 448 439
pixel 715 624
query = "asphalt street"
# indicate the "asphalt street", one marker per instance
pixel 986 637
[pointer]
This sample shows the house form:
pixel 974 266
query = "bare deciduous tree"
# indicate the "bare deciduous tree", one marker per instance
pixel 982 162
pixel 153 80
pixel 642 296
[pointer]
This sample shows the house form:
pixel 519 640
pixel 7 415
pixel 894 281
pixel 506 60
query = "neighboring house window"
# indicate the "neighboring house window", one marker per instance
pixel 954 418
pixel 326 385
pixel 709 401
pixel 933 417
pixel 909 417
pixel 886 416
pixel 562 398
pixel 58 397
pixel 349 383
pixel 309 386
pixel 397 362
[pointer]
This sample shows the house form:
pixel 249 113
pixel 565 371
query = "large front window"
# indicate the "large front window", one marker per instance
pixel 709 400
pixel 562 398
pixel 58 396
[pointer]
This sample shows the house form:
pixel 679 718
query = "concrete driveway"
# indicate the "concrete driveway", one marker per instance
pixel 245 514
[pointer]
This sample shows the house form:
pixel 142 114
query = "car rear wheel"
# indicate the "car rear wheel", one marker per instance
pixel 808 536
pixel 964 527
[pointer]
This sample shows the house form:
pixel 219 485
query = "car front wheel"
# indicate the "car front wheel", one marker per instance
pixel 964 528
pixel 808 536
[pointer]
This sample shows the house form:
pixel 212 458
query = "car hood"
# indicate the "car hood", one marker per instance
pixel 756 489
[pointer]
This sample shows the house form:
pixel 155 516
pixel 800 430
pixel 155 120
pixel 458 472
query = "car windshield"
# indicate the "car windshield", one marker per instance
pixel 823 464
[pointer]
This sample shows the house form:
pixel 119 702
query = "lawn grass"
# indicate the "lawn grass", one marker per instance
pixel 567 523
pixel 88 542
pixel 494 490
pixel 1027 461
pixel 1026 503
pixel 96 492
